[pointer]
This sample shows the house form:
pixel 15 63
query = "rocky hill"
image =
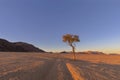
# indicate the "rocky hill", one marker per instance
pixel 6 46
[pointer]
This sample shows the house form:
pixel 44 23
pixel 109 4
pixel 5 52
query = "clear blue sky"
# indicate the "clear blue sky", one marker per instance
pixel 43 22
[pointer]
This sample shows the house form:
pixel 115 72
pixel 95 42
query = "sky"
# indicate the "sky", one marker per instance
pixel 44 22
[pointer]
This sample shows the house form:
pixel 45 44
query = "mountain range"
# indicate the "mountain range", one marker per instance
pixel 6 46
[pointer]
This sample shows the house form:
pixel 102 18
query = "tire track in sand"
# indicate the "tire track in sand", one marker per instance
pixel 59 71
pixel 74 72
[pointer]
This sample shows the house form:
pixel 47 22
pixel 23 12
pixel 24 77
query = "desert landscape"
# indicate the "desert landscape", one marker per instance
pixel 46 66
pixel 59 39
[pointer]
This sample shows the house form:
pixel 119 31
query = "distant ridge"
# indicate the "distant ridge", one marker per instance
pixel 91 52
pixel 84 52
pixel 6 46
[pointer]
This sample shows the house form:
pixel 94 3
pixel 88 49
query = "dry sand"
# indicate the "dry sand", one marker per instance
pixel 38 66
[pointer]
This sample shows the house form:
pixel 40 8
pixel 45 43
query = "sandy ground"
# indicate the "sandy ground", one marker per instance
pixel 38 66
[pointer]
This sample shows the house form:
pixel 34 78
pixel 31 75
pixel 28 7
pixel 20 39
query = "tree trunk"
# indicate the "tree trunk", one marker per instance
pixel 73 49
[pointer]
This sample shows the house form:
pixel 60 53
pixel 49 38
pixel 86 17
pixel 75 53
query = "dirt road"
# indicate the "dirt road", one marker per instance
pixel 53 67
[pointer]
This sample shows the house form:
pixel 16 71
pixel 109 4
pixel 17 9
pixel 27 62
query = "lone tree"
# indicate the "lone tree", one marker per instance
pixel 70 40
